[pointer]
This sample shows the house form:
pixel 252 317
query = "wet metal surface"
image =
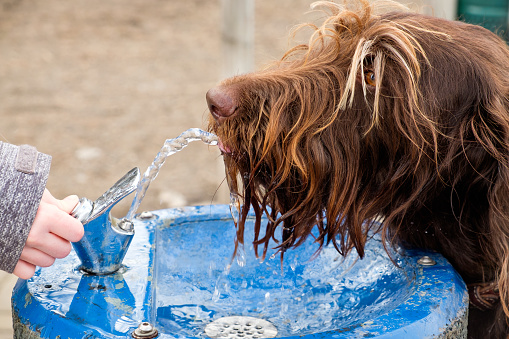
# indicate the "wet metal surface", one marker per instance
pixel 62 300
pixel 106 239
pixel 240 327
pixel 179 276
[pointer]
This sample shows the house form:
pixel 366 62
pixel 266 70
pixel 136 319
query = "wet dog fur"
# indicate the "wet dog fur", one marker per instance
pixel 381 113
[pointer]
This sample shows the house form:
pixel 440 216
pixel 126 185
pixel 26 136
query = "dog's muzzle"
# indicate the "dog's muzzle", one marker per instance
pixel 221 104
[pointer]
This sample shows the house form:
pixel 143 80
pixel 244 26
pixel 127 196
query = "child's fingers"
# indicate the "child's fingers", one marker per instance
pixel 50 244
pixel 50 236
pixel 68 203
pixel 47 197
pixel 65 226
pixel 24 270
pixel 36 257
pixel 50 219
pixel 68 228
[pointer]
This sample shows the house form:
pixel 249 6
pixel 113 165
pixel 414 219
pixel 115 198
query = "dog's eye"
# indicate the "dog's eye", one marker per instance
pixel 369 77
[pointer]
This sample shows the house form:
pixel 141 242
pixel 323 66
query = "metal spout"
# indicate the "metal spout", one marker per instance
pixel 106 239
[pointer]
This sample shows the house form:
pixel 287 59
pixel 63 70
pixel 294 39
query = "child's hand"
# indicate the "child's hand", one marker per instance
pixel 52 231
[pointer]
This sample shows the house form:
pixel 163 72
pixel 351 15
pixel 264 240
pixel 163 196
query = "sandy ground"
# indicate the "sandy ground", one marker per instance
pixel 100 85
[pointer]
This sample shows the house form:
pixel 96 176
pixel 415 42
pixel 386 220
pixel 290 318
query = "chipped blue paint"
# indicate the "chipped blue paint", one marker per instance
pixel 175 277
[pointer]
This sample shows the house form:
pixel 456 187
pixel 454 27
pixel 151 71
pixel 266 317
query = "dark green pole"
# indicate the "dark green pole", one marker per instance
pixel 491 14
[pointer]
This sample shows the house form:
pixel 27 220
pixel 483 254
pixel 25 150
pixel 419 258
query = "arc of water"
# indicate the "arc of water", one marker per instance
pixel 170 147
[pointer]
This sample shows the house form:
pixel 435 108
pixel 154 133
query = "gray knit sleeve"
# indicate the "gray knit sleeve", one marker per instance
pixel 23 176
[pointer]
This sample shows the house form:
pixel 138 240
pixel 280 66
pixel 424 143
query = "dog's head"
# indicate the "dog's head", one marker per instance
pixel 394 114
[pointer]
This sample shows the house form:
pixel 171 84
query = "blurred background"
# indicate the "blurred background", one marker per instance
pixel 100 85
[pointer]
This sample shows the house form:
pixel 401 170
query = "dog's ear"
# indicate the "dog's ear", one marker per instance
pixel 491 129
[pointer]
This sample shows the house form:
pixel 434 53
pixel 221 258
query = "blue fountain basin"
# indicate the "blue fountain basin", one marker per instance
pixel 179 276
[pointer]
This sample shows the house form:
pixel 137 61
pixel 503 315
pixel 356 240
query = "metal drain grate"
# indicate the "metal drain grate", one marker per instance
pixel 240 327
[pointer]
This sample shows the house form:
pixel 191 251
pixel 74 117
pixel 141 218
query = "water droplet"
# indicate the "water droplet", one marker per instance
pixel 216 296
pixel 235 207
pixel 241 255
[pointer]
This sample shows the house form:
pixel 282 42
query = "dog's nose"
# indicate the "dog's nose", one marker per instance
pixel 221 104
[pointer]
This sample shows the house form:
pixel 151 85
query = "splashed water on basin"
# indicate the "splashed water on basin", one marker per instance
pixel 170 147
pixel 199 284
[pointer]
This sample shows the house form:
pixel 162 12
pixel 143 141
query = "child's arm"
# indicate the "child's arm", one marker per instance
pixel 23 176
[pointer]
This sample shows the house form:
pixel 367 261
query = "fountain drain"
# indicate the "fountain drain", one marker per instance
pixel 240 327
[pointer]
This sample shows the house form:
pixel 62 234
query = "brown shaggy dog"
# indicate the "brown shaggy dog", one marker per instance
pixel 395 114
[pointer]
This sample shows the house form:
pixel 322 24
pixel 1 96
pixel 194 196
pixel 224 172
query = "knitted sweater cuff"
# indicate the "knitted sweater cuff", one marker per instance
pixel 23 176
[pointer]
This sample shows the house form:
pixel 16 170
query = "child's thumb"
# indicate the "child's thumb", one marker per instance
pixel 68 203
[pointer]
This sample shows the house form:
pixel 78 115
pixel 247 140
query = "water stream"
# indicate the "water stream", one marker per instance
pixel 170 147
